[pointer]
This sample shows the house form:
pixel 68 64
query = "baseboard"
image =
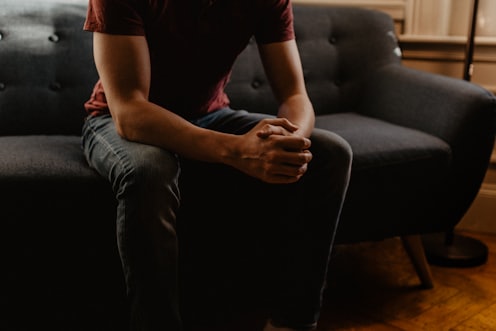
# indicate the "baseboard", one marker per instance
pixel 481 217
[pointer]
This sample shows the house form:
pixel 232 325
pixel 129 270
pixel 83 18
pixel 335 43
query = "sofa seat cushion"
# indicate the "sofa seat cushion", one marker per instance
pixel 378 203
pixel 377 143
pixel 47 168
pixel 47 190
pixel 43 159
pixel 58 232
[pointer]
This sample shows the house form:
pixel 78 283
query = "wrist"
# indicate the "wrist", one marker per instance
pixel 227 150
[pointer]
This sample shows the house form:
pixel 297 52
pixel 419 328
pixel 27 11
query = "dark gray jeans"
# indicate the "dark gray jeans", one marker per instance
pixel 147 182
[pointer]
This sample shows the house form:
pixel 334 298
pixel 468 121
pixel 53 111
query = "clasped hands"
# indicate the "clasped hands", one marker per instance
pixel 274 152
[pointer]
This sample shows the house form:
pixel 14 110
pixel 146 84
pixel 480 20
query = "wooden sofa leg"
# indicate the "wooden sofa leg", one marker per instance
pixel 415 250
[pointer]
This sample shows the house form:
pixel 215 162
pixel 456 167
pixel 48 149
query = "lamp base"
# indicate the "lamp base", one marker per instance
pixel 451 250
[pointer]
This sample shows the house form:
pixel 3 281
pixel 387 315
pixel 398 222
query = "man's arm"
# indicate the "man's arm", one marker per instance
pixel 283 68
pixel 124 68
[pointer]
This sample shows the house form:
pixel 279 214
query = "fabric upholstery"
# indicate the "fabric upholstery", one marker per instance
pixel 45 159
pixel 46 67
pixel 377 143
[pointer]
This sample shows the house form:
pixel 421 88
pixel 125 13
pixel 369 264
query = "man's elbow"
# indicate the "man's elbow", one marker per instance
pixel 124 125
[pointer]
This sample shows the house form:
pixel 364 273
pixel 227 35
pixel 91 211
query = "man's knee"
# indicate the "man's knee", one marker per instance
pixel 149 169
pixel 332 150
pixel 154 165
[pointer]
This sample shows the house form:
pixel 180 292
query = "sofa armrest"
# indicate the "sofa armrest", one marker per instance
pixel 459 112
pixel 451 109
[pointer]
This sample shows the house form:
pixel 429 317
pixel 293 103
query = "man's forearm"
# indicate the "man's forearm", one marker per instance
pixel 299 110
pixel 147 123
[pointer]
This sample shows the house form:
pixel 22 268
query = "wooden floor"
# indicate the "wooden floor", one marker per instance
pixel 372 286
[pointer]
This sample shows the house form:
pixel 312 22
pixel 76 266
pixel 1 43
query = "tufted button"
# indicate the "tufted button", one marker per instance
pixel 54 38
pixel 338 82
pixel 256 84
pixel 2 86
pixel 55 86
pixel 333 40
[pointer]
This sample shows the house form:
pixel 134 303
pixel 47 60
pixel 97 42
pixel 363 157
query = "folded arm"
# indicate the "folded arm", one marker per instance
pixel 126 80
pixel 283 68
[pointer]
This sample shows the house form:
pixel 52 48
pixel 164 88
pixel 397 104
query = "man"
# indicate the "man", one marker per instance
pixel 163 66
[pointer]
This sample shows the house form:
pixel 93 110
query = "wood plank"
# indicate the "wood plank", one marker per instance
pixel 373 286
pixel 485 320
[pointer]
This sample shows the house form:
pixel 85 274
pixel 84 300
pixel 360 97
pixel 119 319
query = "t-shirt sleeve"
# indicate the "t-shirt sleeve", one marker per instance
pixel 115 17
pixel 276 22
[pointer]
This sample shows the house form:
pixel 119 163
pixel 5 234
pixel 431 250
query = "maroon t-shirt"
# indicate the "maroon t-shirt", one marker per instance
pixel 192 46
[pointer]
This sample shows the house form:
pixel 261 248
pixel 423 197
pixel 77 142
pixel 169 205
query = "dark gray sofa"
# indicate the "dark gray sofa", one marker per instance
pixel 421 145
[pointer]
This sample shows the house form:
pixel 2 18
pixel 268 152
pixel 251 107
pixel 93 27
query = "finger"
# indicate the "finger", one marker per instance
pixel 269 130
pixel 289 171
pixel 292 143
pixel 278 122
pixel 296 159
pixel 284 122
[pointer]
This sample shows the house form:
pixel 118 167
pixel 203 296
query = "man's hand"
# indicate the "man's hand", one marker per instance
pixel 272 152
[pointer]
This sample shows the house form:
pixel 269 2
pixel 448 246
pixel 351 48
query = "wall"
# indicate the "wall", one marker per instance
pixel 433 34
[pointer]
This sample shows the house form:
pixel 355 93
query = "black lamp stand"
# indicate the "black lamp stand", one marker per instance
pixel 450 249
pixel 469 49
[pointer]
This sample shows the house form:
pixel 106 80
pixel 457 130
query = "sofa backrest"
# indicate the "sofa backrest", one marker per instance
pixel 47 70
pixel 46 66
pixel 339 48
